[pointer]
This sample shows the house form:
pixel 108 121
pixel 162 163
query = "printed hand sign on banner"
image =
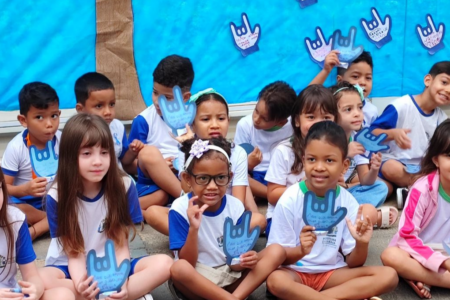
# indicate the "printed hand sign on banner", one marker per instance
pixel 431 39
pixel 378 33
pixel 306 3
pixel 244 38
pixel 318 49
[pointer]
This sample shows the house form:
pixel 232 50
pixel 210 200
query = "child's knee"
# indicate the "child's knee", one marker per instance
pixel 149 154
pixel 391 257
pixel 277 283
pixel 276 253
pixel 392 169
pixel 391 278
pixel 59 293
pixel 181 270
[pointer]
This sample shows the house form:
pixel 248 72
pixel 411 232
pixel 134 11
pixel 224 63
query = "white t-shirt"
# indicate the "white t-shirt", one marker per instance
pixel 149 128
pixel 265 140
pixel 287 223
pixel 91 219
pixel 438 230
pixel 210 233
pixel 357 160
pixel 279 171
pixel 120 139
pixel 405 113
pixel 23 249
pixel 370 112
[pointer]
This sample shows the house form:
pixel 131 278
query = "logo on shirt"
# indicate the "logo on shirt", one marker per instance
pixel 101 227
pixel 330 239
pixel 3 262
pixel 116 138
pixel 220 241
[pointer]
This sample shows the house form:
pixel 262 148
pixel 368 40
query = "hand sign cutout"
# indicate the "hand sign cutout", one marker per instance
pixel 237 239
pixel 107 274
pixel 318 49
pixel 176 113
pixel 372 143
pixel 431 39
pixel 244 39
pixel 320 212
pixel 44 162
pixel 377 32
pixel 306 3
pixel 345 46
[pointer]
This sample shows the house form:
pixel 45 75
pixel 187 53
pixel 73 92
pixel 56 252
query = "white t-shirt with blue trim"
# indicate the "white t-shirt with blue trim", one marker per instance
pixel 210 233
pixel 120 139
pixel 91 218
pixel 405 113
pixel 23 248
pixel 370 112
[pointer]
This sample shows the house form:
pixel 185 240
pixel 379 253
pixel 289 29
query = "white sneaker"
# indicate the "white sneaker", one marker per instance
pixel 146 297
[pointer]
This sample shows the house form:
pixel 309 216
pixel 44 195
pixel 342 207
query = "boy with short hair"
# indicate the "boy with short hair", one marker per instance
pixel 359 72
pixel 30 159
pixel 157 182
pixel 268 125
pixel 95 94
pixel 409 123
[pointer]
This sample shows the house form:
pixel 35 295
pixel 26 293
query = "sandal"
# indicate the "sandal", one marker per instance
pixel 385 210
pixel 416 289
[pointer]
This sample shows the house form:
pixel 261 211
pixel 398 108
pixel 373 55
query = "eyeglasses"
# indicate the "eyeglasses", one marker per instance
pixel 203 179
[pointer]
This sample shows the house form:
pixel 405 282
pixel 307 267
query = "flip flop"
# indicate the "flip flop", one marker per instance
pixel 385 210
pixel 416 289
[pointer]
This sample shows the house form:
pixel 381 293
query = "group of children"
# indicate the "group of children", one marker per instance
pixel 188 185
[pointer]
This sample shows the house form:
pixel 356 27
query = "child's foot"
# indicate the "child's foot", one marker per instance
pixel 146 297
pixel 402 193
pixel 387 216
pixel 421 289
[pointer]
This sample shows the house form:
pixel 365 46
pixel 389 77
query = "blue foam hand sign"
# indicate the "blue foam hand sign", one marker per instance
pixel 372 143
pixel 44 162
pixel 247 147
pixel 346 47
pixel 107 274
pixel 378 33
pixel 431 39
pixel 306 3
pixel 318 49
pixel 244 38
pixel 320 213
pixel 238 239
pixel 177 113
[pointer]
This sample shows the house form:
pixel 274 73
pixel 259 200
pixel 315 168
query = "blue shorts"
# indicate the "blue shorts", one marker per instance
pixel 36 202
pixel 65 269
pixel 269 224
pixel 410 169
pixel 259 176
pixel 146 186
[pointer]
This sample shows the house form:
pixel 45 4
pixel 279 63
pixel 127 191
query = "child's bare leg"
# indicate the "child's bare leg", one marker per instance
pixel 258 189
pixel 270 259
pixel 158 218
pixel 55 278
pixel 153 165
pixel 360 283
pixel 58 293
pixel 149 273
pixel 394 171
pixel 193 285
pixel 250 203
pixel 258 220
pixel 158 197
pixel 37 219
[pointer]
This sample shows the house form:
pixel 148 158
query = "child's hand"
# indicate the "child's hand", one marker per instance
pixel 254 158
pixel 401 138
pixel 122 295
pixel 331 60
pixel 375 161
pixel 355 148
pixel 7 294
pixel 169 161
pixel 29 289
pixel 36 187
pixel 184 137
pixel 86 291
pixel 362 230
pixel 307 239
pixel 195 213
pixel 136 146
pixel 249 259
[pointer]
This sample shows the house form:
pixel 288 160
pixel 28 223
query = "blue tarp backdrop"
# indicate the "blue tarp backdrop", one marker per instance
pixel 54 42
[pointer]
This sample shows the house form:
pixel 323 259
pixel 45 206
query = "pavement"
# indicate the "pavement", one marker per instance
pixel 149 241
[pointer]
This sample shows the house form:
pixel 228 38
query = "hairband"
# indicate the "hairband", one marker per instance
pixel 198 148
pixel 357 87
pixel 197 95
pixel 339 90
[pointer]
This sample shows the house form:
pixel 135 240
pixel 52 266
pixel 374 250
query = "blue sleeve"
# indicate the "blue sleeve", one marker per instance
pixel 133 204
pixel 178 230
pixel 52 212
pixel 9 172
pixel 139 129
pixel 125 145
pixel 387 120
pixel 24 248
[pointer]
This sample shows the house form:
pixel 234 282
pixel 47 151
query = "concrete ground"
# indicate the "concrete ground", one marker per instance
pixel 149 241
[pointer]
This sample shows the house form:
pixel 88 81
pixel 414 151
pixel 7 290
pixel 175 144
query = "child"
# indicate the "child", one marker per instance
pixel 95 95
pixel 16 247
pixel 314 104
pixel 27 176
pixel 264 129
pixel 196 223
pixel 415 252
pixel 361 179
pixel 359 72
pixel 409 122
pixel 157 184
pixel 97 203
pixel 330 266
pixel 211 121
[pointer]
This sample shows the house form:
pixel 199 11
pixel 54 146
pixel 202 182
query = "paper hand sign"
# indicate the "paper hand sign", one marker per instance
pixel 318 49
pixel 431 39
pixel 244 39
pixel 108 275
pixel 372 143
pixel 237 239
pixel 377 32
pixel 320 212
pixel 176 113
pixel 306 3
pixel 346 47
pixel 44 162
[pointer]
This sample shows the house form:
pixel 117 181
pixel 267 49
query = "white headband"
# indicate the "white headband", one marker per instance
pixel 198 148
